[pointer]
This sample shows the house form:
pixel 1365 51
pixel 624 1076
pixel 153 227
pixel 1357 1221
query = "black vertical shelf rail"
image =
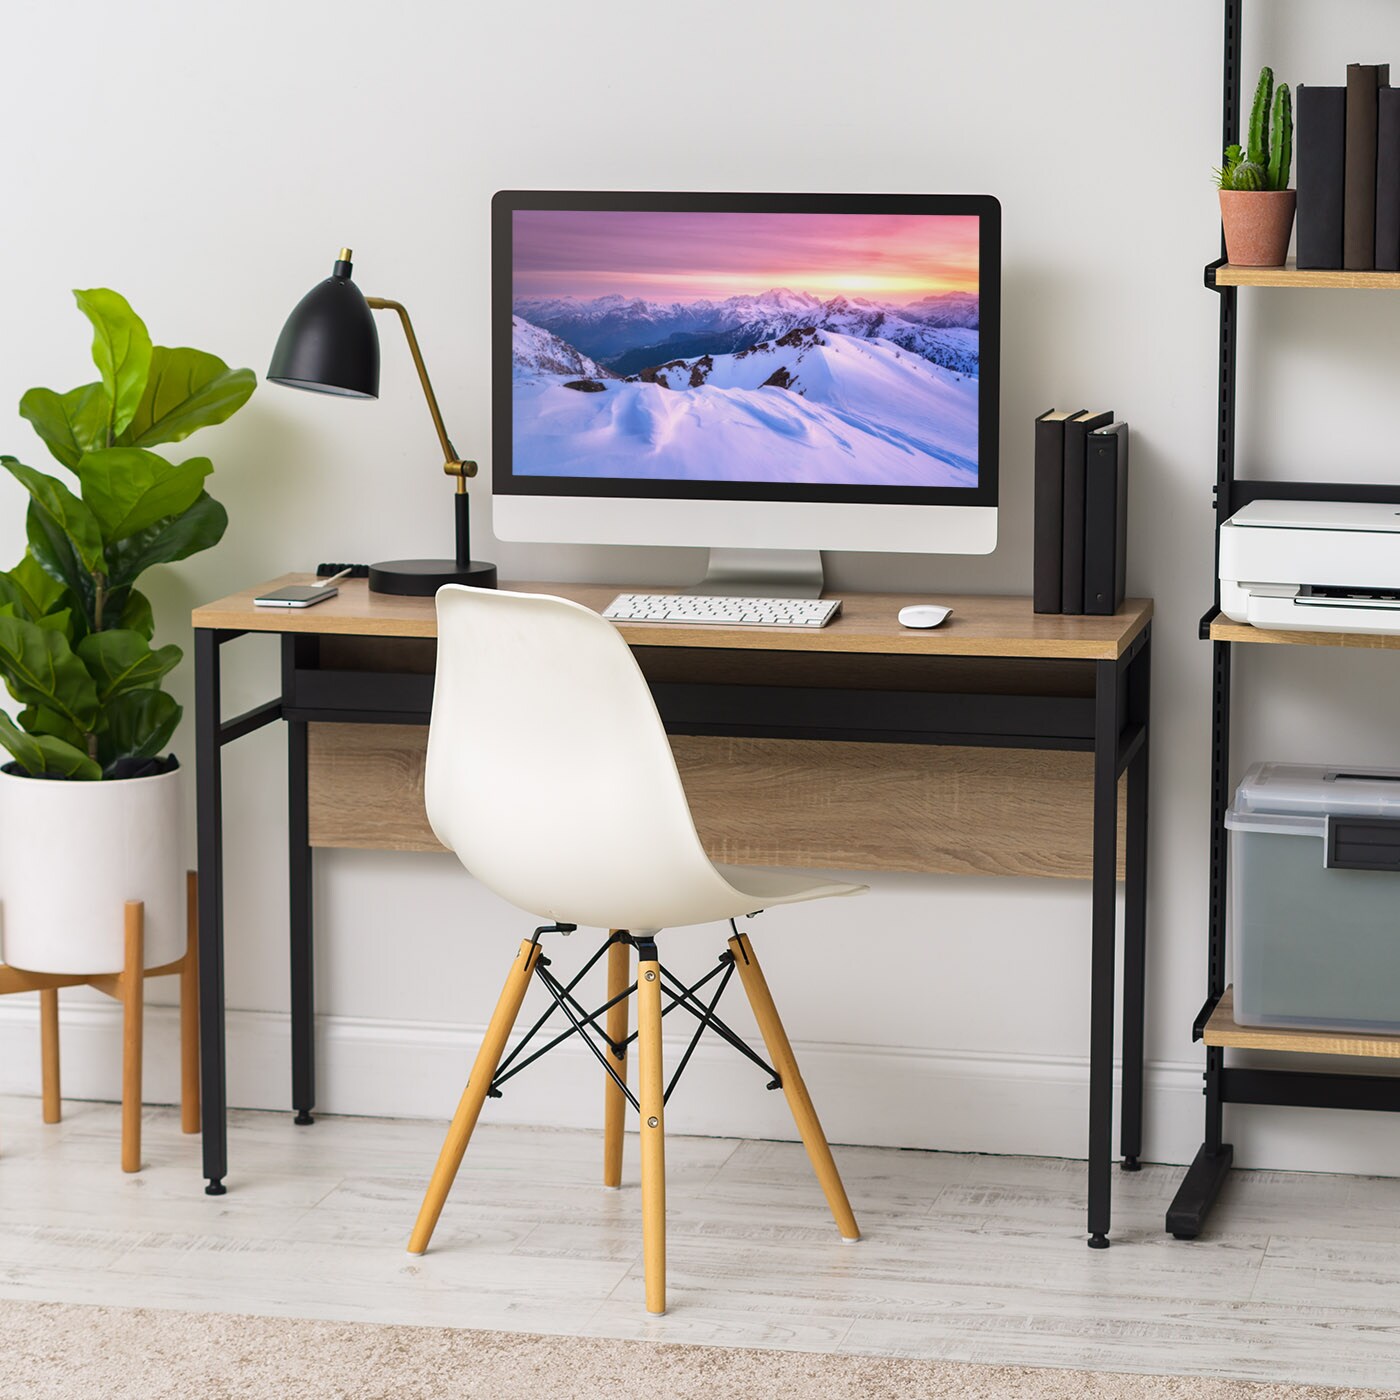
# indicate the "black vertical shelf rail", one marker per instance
pixel 1207 1173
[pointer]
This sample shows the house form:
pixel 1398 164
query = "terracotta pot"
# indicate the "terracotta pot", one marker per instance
pixel 1258 225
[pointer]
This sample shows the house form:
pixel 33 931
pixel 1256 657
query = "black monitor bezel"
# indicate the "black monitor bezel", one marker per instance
pixel 985 207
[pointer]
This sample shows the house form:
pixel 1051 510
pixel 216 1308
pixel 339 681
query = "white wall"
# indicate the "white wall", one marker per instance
pixel 209 160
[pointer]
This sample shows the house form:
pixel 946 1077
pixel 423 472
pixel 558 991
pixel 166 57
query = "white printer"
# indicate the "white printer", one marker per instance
pixel 1316 566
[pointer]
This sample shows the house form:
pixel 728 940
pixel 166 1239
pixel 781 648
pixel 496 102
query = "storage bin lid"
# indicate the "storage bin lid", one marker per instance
pixel 1298 798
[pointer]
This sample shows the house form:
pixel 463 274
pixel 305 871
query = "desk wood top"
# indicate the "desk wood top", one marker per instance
pixel 981 625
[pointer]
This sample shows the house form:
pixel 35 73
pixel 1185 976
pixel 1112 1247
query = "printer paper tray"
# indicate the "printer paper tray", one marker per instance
pixel 1303 614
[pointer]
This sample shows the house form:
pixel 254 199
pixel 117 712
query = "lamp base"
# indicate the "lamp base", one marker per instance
pixel 421 578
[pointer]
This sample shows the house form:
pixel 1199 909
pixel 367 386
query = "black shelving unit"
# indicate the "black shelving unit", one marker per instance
pixel 1225 1084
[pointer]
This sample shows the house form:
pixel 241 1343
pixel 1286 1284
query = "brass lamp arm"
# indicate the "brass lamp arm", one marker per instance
pixel 453 465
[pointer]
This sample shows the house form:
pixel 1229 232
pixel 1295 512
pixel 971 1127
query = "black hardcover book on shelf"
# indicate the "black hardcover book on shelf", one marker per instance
pixel 1322 143
pixel 1106 519
pixel 1050 508
pixel 1077 430
pixel 1388 180
pixel 1364 81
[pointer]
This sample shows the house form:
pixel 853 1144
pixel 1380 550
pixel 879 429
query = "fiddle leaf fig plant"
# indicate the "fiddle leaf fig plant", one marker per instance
pixel 75 633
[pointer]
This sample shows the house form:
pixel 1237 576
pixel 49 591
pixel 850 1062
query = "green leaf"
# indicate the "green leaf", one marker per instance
pixel 187 389
pixel 70 424
pixel 129 489
pixel 34 719
pixel 16 599
pixel 119 661
pixel 121 350
pixel 200 527
pixel 52 551
pixel 140 724
pixel 60 621
pixel 40 669
pixel 39 753
pixel 43 592
pixel 137 616
pixel 64 512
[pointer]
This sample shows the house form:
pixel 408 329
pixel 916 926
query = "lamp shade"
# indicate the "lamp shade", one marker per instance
pixel 329 343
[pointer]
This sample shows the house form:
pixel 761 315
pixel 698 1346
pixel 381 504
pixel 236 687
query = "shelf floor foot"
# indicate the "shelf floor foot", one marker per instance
pixel 1196 1194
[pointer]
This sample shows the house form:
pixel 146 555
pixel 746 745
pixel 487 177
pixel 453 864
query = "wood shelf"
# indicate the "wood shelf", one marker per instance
pixel 1223 630
pixel 1289 275
pixel 1223 1029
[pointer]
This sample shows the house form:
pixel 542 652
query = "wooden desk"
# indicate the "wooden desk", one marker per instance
pixel 994 745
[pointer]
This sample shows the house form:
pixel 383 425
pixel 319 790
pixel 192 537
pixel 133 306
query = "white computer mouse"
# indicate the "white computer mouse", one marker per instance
pixel 923 615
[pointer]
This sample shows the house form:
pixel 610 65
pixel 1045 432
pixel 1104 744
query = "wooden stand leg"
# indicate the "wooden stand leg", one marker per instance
pixel 48 1053
pixel 133 984
pixel 614 1104
pixel 799 1101
pixel 651 1096
pixel 474 1095
pixel 189 1011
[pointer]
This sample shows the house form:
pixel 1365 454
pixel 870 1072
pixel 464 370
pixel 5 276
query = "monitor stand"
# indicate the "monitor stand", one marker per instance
pixel 763 573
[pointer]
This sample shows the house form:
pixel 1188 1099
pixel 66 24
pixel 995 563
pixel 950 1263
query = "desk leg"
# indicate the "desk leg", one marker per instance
pixel 209 817
pixel 1104 921
pixel 1135 916
pixel 299 889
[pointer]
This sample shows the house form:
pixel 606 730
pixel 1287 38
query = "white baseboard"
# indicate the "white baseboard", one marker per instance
pixel 940 1099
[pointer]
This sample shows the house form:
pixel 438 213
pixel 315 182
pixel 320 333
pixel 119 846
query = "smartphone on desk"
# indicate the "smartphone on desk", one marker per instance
pixel 302 595
pixel 296 595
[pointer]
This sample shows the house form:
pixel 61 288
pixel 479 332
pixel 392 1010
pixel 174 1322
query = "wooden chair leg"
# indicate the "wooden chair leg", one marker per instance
pixel 189 1010
pixel 651 1096
pixel 799 1101
pixel 133 985
pixel 614 1103
pixel 48 1054
pixel 474 1095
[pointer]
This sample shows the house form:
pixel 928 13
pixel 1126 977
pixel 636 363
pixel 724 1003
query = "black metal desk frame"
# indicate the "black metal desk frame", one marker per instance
pixel 1112 723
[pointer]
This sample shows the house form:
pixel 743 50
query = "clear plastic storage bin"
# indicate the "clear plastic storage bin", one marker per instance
pixel 1315 897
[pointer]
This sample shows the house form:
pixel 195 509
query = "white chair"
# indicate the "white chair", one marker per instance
pixel 549 774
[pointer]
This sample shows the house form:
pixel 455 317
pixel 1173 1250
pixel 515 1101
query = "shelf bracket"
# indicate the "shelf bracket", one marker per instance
pixel 1198 1026
pixel 1207 619
pixel 1211 269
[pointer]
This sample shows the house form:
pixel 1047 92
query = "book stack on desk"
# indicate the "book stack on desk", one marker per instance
pixel 1349 172
pixel 1081 511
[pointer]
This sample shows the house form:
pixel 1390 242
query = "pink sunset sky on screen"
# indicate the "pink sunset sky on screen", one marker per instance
pixel 668 256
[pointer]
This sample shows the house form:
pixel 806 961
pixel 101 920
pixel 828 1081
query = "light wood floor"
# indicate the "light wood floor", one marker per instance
pixel 965 1257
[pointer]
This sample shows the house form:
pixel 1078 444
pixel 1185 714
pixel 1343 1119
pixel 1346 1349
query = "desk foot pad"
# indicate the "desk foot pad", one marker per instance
pixel 1098 1241
pixel 303 1118
pixel 216 1187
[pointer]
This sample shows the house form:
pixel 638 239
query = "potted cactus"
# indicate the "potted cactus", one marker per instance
pixel 1256 205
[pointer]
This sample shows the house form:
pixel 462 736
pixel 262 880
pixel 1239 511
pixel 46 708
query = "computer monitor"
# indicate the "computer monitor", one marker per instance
pixel 747 372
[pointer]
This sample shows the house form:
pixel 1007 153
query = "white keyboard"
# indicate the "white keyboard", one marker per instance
pixel 693 608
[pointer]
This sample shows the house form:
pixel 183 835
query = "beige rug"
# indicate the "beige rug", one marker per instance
pixel 52 1350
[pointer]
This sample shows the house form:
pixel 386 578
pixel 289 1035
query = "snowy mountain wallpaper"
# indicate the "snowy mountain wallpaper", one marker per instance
pixel 757 347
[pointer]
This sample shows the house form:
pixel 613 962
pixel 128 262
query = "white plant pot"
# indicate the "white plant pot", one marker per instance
pixel 72 854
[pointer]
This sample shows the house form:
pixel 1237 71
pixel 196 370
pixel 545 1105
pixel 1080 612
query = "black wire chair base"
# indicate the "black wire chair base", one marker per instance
pixel 608 1052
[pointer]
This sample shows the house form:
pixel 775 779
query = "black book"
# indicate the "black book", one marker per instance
pixel 1322 144
pixel 1077 430
pixel 1364 81
pixel 1388 179
pixel 1106 519
pixel 1049 507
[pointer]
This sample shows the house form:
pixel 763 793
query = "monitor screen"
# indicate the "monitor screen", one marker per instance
pixel 776 347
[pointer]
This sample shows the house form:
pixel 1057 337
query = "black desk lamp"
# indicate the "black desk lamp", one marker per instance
pixel 330 346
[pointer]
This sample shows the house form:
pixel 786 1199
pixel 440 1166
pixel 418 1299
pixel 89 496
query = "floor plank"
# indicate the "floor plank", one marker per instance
pixel 965 1257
